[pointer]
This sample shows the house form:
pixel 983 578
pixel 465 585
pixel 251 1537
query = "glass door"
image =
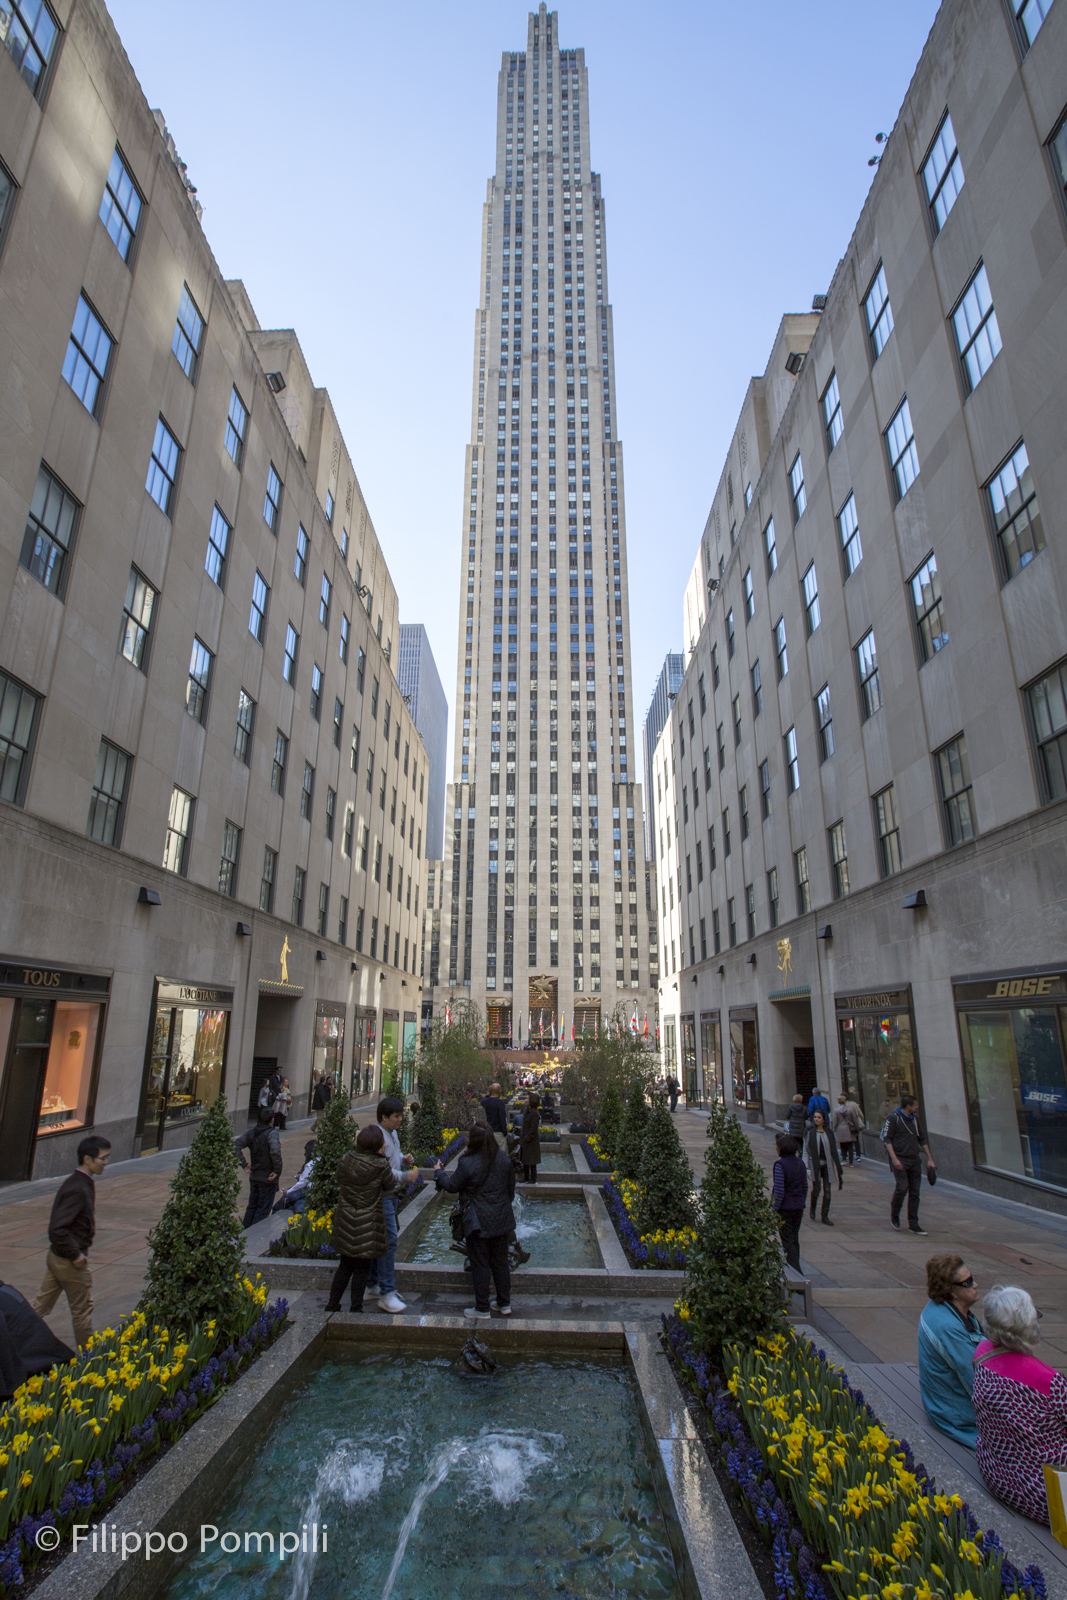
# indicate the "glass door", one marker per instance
pixel 23 1084
pixel 711 1052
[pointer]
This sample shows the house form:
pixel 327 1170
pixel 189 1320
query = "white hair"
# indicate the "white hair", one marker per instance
pixel 1011 1318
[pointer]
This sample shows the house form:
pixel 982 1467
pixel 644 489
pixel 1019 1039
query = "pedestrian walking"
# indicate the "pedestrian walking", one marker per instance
pixel 797 1121
pixel 484 1179
pixel 382 1275
pixel 265 1167
pixel 320 1099
pixel 71 1227
pixel 823 1160
pixel 365 1180
pixel 844 1132
pixel 819 1102
pixel 673 1090
pixel 283 1101
pixel 789 1191
pixel 530 1138
pixel 857 1122
pixel 906 1144
pixel 949 1335
pixel 496 1114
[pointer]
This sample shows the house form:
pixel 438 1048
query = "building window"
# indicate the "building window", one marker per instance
pixel 299 882
pixel 281 756
pixel 812 614
pixel 792 762
pixel 257 617
pixel 749 593
pixel 716 931
pixel 163 468
pixel 848 527
pixel 703 939
pixel 345 631
pixel 199 679
pixel 771 548
pixel 179 825
pixel 838 860
pixel 31 33
pixel 879 314
pixel 867 667
pixel 731 642
pixel 292 645
pixel 324 910
pixel 772 895
pixel 703 696
pixel 742 805
pixel 757 689
pixel 737 719
pixel 977 332
pixel 246 721
pixel 137 620
pixel 720 737
pixel 731 922
pixel 344 544
pixel 107 802
pixel 324 601
pixel 338 718
pixel 374 699
pixel 1057 148
pixel 88 353
pixel 765 789
pixel 800 875
pixel 353 756
pixel 364 845
pixel 942 174
pixel 1029 14
pixel 825 723
pixel 929 609
pixel 300 563
pixel 342 921
pixel 188 334
pixel 700 862
pixel 120 208
pixel 781 654
pixel 231 851
pixel 359 930
pixel 266 882
pixel 8 190
pixel 885 816
pixel 361 666
pixel 329 506
pixel 957 799
pixel 307 787
pixel 726 832
pixel 374 938
pixel 316 691
pixel 50 526
pixel 903 457
pixel 377 861
pixel 715 666
pixel 331 807
pixel 797 490
pixel 1048 707
pixel 218 543
pixel 236 428
pixel 831 412
pixel 272 500
pixel 1016 517
pixel 750 909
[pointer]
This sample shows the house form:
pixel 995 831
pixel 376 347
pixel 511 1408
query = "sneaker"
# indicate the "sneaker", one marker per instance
pixel 505 1311
pixel 475 1314
pixel 920 1231
pixel 895 1221
pixel 392 1302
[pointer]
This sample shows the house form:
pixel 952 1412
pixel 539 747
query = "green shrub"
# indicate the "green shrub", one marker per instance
pixel 612 1055
pixel 196 1249
pixel 609 1122
pixel 665 1178
pixel 335 1138
pixel 426 1125
pixel 631 1139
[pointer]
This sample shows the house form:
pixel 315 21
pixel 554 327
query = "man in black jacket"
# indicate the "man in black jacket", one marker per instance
pixel 496 1114
pixel 905 1142
pixel 70 1233
pixel 266 1167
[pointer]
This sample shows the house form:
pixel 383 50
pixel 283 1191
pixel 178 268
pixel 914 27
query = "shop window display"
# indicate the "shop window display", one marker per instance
pixel 186 1070
pixel 1014 1069
pixel 878 1061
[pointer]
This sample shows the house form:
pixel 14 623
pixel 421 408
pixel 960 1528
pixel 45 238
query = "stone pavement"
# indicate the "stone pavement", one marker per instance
pixel 869 1282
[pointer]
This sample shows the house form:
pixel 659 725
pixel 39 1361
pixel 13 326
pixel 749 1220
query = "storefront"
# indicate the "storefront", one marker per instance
pixel 328 1048
pixel 690 1081
pixel 185 1070
pixel 879 1059
pixel 711 1057
pixel 51 1035
pixel 364 1040
pixel 670 1048
pixel 744 1060
pixel 411 1044
pixel 1013 1033
pixel 390 1046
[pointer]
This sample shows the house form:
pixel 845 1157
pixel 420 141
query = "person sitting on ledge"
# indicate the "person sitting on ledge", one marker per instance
pixel 1020 1405
pixel 949 1334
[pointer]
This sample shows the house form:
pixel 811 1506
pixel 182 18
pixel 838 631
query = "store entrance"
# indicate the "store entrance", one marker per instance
pixel 187 1060
pixel 745 1063
pixel 544 996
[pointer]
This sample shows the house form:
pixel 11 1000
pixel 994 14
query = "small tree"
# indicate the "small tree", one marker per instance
pixel 336 1137
pixel 426 1126
pixel 609 1122
pixel 665 1176
pixel 632 1135
pixel 196 1249
pixel 733 1279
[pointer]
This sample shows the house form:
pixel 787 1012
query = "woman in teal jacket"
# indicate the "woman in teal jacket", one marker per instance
pixel 949 1334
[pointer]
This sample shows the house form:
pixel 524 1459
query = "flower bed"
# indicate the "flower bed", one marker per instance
pixel 663 1249
pixel 70 1437
pixel 598 1161
pixel 454 1139
pixel 307 1233
pixel 548 1135
pixel 845 1510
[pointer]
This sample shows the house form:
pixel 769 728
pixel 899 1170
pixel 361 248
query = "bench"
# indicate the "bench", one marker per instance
pixel 797 1285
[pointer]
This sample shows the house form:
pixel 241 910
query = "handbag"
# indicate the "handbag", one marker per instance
pixel 457 1219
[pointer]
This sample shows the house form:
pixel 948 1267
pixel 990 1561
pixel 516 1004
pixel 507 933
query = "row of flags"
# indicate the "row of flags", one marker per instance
pixel 558 1036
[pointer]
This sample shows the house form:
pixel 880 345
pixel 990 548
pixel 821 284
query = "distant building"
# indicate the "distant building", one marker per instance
pixel 420 684
pixel 656 716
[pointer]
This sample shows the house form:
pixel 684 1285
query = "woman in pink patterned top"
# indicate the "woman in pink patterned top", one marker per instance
pixel 1020 1405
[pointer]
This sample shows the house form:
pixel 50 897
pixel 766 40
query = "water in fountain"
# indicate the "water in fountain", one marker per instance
pixel 557 1231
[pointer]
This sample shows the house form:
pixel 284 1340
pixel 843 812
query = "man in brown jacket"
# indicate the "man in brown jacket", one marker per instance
pixel 70 1233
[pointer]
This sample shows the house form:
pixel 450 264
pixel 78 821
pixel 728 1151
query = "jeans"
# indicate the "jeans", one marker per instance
pixel 489 1255
pixel 674 1101
pixel 908 1179
pixel 382 1275
pixel 260 1200
pixel 820 1180
pixel 356 1268
pixel 789 1231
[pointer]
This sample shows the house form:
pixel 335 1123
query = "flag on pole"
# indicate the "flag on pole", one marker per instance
pixel 633 1023
pixel 448 1016
pixel 572 1030
pixel 646 1024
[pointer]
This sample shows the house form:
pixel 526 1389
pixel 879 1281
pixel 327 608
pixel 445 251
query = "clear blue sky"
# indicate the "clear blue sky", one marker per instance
pixel 341 153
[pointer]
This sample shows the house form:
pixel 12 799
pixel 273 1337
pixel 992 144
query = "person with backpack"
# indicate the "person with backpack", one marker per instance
pixel 789 1192
pixel 265 1167
pixel 796 1124
pixel 906 1143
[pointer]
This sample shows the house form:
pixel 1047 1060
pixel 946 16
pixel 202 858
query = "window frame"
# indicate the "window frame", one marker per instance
pixel 7 210
pixel 933 195
pixel 273 501
pixel 180 870
pixel 181 332
pixel 887 832
pixel 255 610
pixel 1003 563
pixel 802 883
pixel 949 810
pixel 798 494
pixel 290 655
pixel 781 649
pixel 853 538
pixel 909 451
pixel 867 706
pixel 101 375
pixel 987 328
pixel 279 763
pixel 43 77
pixel 145 629
pixel 929 645
pixel 1046 786
pixel 792 760
pixel 300 561
pixel 812 609
pixel 839 880
pixel 248 730
pixel 158 472
pixel 770 548
pixel 233 862
pixel 876 342
pixel 8 681
pixel 237 455
pixel 129 254
pixel 196 698
pixel 268 879
pixel 117 817
pixel 833 427
pixel 1022 33
pixel 37 529
pixel 824 725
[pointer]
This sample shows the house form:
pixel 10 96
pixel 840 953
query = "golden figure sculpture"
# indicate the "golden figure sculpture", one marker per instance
pixel 785 955
pixel 285 963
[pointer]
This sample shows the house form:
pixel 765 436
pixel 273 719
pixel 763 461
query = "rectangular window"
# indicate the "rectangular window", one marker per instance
pixel 942 174
pixel 272 500
pixel 324 601
pixel 316 691
pixel 957 799
pixel 324 911
pixel 344 543
pixel 731 922
pixel 392 807
pixel 353 758
pixel 8 190
pixel 345 630
pixel 765 789
pixel 107 802
pixel 236 428
pixel 849 528
pixel 1048 707
pixel 137 613
pixel 715 666
pixel 838 860
pixel 307 787
pixel 711 850
pixel 772 895
pixel 374 938
pixel 749 593
pixel 299 883
pixel 231 851
pixel 750 910
pixel 49 536
pixel 731 643
pixel 377 861
pixel 771 548
pixel 792 762
pixel 266 882
pixel 292 646
pixel 120 208
pixel 364 845
pixel 831 413
pixel 389 875
pixel 903 457
pixel 359 929
pixel 867 667
pixel 812 614
pixel 1016 516
pixel 346 832
pixel 329 506
pixel 218 543
pixel 721 739
pixel 888 830
pixel 737 719
pixel 1029 14
pixel 300 562
pixel 781 654
pixel 374 699
pixel 703 696
pixel 88 353
pixel 1057 149
pixel 742 805
pixel 281 756
pixel 338 718
pixel 246 722
pixel 716 934
pixel 707 769
pixel 797 490
pixel 30 34
pixel 825 723
pixel 331 808
pixel 361 664
pixel 163 467
pixel 929 609
pixel 800 876
pixel 257 617
pixel 188 335
pixel 977 332
pixel 879 314
pixel 179 826
pixel 370 772
pixel 726 833
pixel 700 862
pixel 196 689
pixel 342 921
pixel 703 939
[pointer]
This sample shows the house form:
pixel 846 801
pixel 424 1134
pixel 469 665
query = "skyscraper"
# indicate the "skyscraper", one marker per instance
pixel 671 674
pixel 544 819
pixel 420 684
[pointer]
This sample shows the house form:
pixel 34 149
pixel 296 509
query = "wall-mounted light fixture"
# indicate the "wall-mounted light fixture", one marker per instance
pixel 354 967
pixel 245 930
pixel 916 901
pixel 320 955
pixel 148 897
pixel 722 972
pixel 751 958
pixel 826 932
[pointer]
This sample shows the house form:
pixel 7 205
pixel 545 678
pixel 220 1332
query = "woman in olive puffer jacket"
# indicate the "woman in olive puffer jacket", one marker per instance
pixel 359 1234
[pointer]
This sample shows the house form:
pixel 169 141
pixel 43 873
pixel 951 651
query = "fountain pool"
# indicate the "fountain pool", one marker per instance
pixel 557 1230
pixel 557 1158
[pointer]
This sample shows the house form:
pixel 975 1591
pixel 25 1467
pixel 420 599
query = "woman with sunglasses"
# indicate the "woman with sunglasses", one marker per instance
pixel 949 1334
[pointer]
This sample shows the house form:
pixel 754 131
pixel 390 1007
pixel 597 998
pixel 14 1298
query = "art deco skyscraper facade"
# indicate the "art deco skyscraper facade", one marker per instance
pixel 545 891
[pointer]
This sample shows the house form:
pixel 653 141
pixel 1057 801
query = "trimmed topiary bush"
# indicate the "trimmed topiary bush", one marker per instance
pixel 336 1137
pixel 665 1178
pixel 426 1125
pixel 609 1122
pixel 631 1138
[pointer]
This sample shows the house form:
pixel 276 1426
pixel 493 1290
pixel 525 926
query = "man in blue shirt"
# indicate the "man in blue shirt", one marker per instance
pixel 819 1102
pixel 949 1334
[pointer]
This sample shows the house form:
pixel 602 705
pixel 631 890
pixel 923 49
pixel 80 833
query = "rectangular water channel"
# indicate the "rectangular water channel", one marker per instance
pixel 556 1229
pixel 532 1482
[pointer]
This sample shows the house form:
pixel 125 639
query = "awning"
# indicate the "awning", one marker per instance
pixel 801 992
pixel 292 991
